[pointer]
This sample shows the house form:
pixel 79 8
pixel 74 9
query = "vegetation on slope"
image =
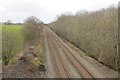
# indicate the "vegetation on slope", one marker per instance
pixel 34 36
pixel 12 41
pixel 93 32
pixel 16 38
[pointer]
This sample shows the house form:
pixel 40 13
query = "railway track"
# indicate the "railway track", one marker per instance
pixel 62 72
pixel 58 64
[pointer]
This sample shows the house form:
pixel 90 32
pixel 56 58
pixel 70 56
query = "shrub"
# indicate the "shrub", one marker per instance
pixel 31 29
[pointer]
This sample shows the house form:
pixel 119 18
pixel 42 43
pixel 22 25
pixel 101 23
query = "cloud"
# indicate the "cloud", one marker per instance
pixel 18 11
pixel 46 10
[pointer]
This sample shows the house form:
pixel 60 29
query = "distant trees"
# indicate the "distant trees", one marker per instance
pixel 93 32
pixel 9 22
pixel 81 12
pixel 31 29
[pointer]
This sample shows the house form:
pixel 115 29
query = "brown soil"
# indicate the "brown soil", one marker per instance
pixel 27 65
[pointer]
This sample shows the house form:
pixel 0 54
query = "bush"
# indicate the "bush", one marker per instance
pixel 31 29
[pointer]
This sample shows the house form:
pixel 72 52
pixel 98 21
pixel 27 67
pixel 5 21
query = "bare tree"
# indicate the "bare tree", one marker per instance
pixel 8 22
pixel 31 29
pixel 93 32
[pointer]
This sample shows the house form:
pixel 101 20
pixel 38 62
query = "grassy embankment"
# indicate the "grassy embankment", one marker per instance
pixel 0 48
pixel 12 37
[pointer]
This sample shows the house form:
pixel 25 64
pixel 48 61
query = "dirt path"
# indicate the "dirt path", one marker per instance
pixel 64 62
pixel 24 67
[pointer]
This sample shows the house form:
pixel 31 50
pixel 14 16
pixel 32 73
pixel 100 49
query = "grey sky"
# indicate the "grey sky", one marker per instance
pixel 47 10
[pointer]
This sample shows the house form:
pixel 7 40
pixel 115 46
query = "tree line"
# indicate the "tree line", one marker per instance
pixel 95 33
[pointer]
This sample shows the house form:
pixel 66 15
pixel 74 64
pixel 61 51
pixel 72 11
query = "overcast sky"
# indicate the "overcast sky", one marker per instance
pixel 47 10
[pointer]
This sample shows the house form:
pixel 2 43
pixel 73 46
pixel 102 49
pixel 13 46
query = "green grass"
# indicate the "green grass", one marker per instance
pixel 0 26
pixel 17 30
